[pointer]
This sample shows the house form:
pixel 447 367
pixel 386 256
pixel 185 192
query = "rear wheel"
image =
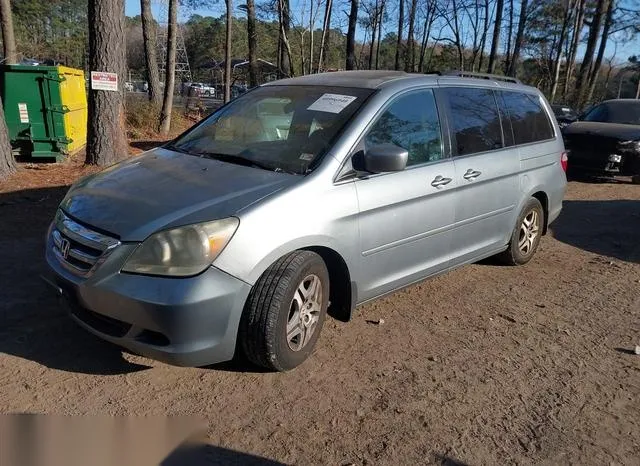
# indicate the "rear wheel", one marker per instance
pixel 285 311
pixel 526 235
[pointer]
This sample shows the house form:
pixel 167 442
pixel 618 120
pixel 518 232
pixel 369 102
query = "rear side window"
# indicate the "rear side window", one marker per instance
pixel 475 120
pixel 529 121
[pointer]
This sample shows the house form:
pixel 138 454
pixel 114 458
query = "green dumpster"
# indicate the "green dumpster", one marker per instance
pixel 45 108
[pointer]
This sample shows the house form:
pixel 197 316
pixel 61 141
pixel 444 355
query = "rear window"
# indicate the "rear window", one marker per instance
pixel 529 121
pixel 475 122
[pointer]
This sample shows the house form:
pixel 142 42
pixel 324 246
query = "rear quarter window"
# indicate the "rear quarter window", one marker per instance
pixel 529 120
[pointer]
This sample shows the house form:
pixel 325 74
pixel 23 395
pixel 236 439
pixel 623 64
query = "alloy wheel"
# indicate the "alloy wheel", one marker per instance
pixel 304 312
pixel 529 230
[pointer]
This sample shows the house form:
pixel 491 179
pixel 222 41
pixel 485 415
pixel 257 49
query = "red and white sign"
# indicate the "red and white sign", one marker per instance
pixel 24 113
pixel 102 81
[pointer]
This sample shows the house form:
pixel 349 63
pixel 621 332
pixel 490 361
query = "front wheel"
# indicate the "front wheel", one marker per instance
pixel 285 311
pixel 526 235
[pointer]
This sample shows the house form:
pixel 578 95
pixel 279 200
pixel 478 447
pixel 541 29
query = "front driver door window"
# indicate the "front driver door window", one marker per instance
pixel 410 122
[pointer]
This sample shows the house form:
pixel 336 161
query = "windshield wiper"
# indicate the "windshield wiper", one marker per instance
pixel 237 159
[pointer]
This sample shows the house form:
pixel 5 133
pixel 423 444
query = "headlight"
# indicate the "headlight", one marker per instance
pixel 182 251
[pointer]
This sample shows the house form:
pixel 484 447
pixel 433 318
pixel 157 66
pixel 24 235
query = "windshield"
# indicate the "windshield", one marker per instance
pixel 280 128
pixel 626 113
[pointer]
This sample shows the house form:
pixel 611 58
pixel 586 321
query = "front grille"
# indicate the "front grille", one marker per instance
pixel 78 248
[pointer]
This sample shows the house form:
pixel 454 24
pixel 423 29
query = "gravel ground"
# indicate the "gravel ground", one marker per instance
pixel 484 365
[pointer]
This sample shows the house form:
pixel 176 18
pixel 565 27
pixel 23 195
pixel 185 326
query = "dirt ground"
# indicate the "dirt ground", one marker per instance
pixel 484 365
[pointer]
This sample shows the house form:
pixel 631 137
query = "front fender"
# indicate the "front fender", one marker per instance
pixel 250 273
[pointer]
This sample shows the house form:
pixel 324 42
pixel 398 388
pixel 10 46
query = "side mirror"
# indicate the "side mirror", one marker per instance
pixel 381 158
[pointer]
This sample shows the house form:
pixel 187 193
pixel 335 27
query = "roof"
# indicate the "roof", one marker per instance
pixel 363 79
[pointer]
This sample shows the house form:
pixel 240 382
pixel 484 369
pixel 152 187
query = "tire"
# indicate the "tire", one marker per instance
pixel 517 253
pixel 272 306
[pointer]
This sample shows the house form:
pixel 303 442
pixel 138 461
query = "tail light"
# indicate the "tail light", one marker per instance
pixel 564 160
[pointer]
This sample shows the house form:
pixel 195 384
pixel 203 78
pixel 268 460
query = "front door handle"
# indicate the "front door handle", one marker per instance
pixel 471 174
pixel 439 181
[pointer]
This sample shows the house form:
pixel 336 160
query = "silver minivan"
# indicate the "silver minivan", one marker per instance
pixel 305 196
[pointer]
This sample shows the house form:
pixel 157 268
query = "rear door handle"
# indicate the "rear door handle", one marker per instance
pixel 471 174
pixel 439 181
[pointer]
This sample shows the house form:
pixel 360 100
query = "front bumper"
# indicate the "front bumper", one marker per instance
pixel 626 163
pixel 181 321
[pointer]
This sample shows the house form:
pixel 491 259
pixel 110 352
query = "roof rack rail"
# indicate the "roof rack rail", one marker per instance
pixel 471 74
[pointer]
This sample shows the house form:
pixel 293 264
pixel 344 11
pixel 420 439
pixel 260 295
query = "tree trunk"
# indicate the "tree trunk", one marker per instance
pixel 399 43
pixel 311 26
pixel 495 41
pixel 380 18
pixel 360 63
pixel 284 17
pixel 227 52
pixel 592 40
pixel 558 54
pixel 7 162
pixel 522 22
pixel 252 38
pixel 428 22
pixel 456 33
pixel 507 62
pixel 351 36
pixel 575 39
pixel 374 30
pixel 485 29
pixel 106 140
pixel 8 36
pixel 325 32
pixel 303 62
pixel 593 76
pixel 410 53
pixel 474 23
pixel 151 61
pixel 170 69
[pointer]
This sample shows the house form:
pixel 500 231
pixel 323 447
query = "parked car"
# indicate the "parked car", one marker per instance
pixel 304 195
pixel 606 140
pixel 564 114
pixel 203 90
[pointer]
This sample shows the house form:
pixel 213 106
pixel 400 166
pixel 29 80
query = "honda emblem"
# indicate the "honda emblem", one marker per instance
pixel 65 245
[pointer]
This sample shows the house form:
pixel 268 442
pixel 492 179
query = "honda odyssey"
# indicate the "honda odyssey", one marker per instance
pixel 301 197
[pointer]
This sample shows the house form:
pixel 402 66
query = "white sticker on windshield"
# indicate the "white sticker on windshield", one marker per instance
pixel 332 103
pixel 306 157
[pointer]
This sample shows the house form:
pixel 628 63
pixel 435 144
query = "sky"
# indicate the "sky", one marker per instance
pixel 623 50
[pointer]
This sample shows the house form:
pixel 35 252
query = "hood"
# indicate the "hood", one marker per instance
pixel 609 130
pixel 163 189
